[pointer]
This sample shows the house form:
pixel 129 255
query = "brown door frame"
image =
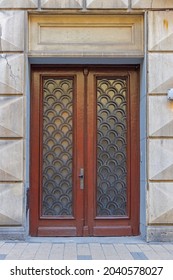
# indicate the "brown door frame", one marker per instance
pixel 86 223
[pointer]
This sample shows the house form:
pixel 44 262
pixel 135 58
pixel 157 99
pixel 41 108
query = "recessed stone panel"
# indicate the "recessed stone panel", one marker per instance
pixel 86 35
pixel 152 4
pixel 12 73
pixel 11 204
pixel 160 203
pixel 11 31
pixel 11 160
pixel 161 31
pixel 160 116
pixel 18 4
pixel 160 74
pixel 107 4
pixel 61 4
pixel 11 117
pixel 160 159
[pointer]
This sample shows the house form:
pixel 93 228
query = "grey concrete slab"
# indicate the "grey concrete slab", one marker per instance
pixel 139 256
pixel 43 251
pixel 30 251
pixel 70 252
pixel 110 252
pixel 57 252
pixel 97 251
pixel 16 251
pixel 123 252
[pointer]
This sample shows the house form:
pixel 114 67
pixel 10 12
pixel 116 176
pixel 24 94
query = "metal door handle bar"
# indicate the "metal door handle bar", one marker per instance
pixel 81 176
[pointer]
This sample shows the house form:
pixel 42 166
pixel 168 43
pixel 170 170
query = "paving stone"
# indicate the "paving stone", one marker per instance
pixel 123 252
pixel 70 251
pixel 84 257
pixel 57 252
pixel 83 249
pixel 149 252
pixel 133 248
pixel 16 251
pixel 6 248
pixel 110 252
pixel 96 251
pixel 30 251
pixel 162 252
pixel 43 251
pixel 139 256
pixel 2 256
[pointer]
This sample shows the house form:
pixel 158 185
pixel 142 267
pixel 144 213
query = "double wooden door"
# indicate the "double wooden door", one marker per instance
pixel 84 159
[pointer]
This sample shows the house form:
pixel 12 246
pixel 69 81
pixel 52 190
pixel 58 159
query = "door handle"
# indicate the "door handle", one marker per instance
pixel 81 177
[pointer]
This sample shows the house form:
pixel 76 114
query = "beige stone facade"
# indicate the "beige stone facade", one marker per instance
pixel 154 51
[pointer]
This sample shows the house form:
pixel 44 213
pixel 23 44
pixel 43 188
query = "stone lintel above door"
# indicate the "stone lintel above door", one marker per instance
pixel 86 35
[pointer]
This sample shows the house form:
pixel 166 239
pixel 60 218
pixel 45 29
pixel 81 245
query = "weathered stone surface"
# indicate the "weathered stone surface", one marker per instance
pixel 18 3
pixel 11 31
pixel 11 204
pixel 12 73
pixel 161 30
pixel 161 159
pixel 159 233
pixel 105 4
pixel 152 4
pixel 161 203
pixel 11 160
pixel 160 116
pixel 11 116
pixel 160 73
pixel 61 4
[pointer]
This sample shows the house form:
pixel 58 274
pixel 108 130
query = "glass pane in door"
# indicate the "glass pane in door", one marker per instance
pixel 57 147
pixel 111 146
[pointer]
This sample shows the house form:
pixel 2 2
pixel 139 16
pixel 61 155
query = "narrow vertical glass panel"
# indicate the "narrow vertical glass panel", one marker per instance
pixel 57 147
pixel 111 147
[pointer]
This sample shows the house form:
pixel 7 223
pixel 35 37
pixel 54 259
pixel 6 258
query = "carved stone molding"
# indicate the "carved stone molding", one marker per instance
pixel 152 4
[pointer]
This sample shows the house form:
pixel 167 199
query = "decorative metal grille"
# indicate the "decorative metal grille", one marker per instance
pixel 111 147
pixel 57 147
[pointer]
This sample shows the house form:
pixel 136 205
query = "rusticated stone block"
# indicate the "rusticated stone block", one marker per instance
pixel 11 160
pixel 11 204
pixel 12 73
pixel 152 4
pixel 61 4
pixel 160 73
pixel 11 31
pixel 160 159
pixel 105 4
pixel 11 116
pixel 160 116
pixel 160 203
pixel 161 30
pixel 18 3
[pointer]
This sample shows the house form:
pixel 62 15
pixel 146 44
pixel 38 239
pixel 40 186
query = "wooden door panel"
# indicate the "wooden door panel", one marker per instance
pixel 113 149
pixel 56 137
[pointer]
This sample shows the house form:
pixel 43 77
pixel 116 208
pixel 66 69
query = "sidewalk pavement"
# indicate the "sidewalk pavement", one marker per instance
pixel 85 248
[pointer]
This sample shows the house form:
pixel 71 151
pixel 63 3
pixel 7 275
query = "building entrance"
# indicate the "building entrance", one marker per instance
pixel 84 151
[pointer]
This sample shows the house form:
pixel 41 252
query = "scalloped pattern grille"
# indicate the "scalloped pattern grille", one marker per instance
pixel 57 147
pixel 111 147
